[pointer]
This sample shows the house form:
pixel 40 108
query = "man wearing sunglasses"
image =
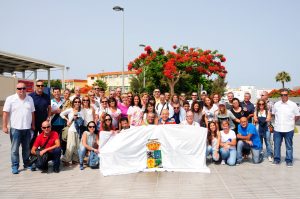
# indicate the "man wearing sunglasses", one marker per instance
pixel 49 140
pixel 19 108
pixel 42 106
pixel 286 113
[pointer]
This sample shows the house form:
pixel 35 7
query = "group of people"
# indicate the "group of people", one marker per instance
pixel 69 126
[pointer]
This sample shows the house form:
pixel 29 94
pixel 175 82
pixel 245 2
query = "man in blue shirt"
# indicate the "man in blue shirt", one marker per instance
pixel 248 139
pixel 42 108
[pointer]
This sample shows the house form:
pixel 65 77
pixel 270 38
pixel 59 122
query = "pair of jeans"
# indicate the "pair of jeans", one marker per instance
pixel 54 155
pixel 213 150
pixel 17 138
pixel 256 153
pixel 267 139
pixel 81 152
pixel 229 155
pixel 288 138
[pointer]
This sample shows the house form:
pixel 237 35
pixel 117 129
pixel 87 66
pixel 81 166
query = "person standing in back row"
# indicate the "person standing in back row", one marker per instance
pixel 286 113
pixel 42 106
pixel 19 110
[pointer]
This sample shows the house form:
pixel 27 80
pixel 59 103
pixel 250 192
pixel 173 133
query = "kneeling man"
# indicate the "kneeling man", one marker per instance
pixel 49 141
pixel 248 139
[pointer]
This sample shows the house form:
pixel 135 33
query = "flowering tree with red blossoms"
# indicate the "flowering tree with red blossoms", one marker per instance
pixel 183 61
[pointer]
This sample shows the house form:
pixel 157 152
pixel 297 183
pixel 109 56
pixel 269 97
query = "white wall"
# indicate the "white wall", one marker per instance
pixel 7 86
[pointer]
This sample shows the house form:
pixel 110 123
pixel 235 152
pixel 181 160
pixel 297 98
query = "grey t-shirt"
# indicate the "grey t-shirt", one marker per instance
pixel 228 116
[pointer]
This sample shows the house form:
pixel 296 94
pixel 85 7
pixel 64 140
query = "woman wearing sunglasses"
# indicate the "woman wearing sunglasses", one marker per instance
pixel 72 115
pixel 88 111
pixel 262 118
pixel 89 142
pixel 106 125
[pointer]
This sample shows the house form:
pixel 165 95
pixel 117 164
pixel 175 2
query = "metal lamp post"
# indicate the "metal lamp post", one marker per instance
pixel 118 8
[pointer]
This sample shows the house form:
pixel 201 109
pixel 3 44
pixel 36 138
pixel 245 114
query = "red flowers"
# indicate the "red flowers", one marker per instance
pixel 183 60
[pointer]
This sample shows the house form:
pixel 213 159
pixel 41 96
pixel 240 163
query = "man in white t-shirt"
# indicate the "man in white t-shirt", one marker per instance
pixel 286 113
pixel 163 105
pixel 19 110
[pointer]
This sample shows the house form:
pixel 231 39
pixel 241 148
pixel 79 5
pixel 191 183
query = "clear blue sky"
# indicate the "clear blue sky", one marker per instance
pixel 258 38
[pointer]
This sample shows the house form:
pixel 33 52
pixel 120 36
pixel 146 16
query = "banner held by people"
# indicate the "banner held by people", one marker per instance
pixel 154 148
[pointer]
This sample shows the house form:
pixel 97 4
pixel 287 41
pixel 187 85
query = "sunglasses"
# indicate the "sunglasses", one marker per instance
pixel 77 102
pixel 129 96
pixel 23 88
pixel 39 85
pixel 96 88
pixel 108 119
pixel 261 104
pixel 91 127
pixel 85 100
pixel 175 107
pixel 103 101
pixel 194 95
pixel 45 127
pixel 283 95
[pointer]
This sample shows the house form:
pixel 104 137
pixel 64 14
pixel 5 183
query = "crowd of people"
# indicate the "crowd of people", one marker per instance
pixel 67 128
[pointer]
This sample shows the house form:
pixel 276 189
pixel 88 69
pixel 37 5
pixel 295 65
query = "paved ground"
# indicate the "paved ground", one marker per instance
pixel 244 181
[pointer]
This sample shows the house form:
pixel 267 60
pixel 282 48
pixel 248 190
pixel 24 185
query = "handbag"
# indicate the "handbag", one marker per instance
pixel 64 134
pixel 93 160
pixel 271 128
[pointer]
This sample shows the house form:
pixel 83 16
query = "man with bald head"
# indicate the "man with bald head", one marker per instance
pixel 164 119
pixel 19 110
pixel 49 141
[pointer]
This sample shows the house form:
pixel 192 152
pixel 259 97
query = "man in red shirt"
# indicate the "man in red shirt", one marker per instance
pixel 52 147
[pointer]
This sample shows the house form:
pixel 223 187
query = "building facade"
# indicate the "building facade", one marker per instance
pixel 72 83
pixel 112 79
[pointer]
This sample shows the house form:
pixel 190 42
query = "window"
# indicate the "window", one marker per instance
pixel 92 78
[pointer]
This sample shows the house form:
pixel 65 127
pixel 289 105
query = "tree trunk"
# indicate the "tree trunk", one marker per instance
pixel 282 84
pixel 171 86
pixel 171 83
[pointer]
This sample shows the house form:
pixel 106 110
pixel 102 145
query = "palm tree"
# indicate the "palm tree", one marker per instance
pixel 136 83
pixel 283 77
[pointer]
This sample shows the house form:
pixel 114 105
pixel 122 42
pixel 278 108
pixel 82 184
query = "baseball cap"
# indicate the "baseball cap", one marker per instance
pixel 222 103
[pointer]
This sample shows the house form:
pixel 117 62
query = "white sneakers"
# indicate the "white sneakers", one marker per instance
pixel 223 162
pixel 270 159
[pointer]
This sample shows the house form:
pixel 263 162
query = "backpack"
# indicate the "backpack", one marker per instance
pixel 94 160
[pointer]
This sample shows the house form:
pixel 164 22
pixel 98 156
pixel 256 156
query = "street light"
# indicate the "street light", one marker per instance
pixel 118 8
pixel 144 81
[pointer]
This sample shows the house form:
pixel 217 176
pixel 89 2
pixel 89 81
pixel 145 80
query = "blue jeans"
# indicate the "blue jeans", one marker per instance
pixel 54 155
pixel 229 155
pixel 288 138
pixel 17 138
pixel 213 150
pixel 81 153
pixel 267 140
pixel 256 153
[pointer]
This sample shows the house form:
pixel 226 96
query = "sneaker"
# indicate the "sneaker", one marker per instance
pixel 15 170
pixel 56 170
pixel 237 164
pixel 223 162
pixel 81 166
pixel 270 159
pixel 275 163
pixel 289 164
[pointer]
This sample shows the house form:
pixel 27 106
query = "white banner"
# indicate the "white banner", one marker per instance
pixel 154 148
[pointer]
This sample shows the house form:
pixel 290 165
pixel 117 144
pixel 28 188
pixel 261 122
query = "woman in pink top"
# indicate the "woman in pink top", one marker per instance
pixel 124 105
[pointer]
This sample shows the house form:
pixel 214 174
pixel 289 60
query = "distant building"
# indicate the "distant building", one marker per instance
pixel 72 83
pixel 239 92
pixel 112 79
